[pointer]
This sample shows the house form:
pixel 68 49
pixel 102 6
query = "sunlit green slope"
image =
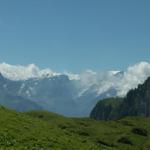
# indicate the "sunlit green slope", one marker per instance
pixel 43 130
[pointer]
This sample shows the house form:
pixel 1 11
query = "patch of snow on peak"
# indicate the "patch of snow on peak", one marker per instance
pixel 72 76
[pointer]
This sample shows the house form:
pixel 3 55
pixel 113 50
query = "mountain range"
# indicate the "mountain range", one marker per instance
pixel 29 88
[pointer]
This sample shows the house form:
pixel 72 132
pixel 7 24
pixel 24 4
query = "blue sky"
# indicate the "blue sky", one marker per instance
pixel 75 35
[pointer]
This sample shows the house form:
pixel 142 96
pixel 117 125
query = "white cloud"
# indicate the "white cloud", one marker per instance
pixel 134 75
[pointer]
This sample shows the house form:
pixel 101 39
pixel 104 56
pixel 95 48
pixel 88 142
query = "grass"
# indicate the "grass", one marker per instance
pixel 41 130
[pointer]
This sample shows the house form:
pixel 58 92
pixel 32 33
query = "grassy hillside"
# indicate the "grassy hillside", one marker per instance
pixel 46 131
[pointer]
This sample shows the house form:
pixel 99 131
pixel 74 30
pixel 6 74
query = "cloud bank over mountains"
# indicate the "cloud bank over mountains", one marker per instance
pixel 65 93
pixel 122 81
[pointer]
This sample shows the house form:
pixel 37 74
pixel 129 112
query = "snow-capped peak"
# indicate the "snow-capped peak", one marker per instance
pixel 18 72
